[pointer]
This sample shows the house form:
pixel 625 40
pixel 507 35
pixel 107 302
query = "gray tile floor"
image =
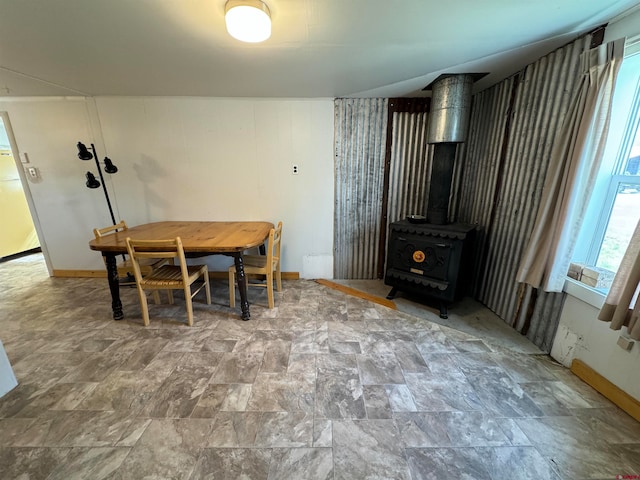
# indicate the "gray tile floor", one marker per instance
pixel 325 386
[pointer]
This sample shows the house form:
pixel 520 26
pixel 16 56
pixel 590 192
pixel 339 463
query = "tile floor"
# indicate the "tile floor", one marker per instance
pixel 325 386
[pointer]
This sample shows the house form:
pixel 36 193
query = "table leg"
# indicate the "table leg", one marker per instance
pixel 242 286
pixel 114 286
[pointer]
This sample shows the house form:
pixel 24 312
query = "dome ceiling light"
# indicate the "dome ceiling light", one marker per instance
pixel 248 20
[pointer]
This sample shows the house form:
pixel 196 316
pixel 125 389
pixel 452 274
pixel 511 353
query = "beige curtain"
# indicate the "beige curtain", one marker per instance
pixel 575 159
pixel 622 306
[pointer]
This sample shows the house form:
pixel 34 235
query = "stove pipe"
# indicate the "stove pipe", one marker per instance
pixel 448 124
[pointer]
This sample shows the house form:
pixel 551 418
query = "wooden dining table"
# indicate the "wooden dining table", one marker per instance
pixel 198 239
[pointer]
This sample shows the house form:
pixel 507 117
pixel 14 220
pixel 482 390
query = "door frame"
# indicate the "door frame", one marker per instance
pixel 21 161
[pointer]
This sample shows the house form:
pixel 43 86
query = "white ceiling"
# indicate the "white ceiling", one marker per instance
pixel 318 48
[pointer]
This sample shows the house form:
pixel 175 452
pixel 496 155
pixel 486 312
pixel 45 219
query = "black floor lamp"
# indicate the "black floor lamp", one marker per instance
pixel 92 182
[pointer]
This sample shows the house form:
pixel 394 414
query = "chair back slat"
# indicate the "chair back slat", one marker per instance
pixel 158 254
pixel 120 226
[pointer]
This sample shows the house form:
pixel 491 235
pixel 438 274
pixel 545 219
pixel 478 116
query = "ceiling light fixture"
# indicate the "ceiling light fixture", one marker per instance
pixel 248 20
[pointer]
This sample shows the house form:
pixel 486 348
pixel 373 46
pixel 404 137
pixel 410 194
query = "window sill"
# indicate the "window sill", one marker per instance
pixel 583 292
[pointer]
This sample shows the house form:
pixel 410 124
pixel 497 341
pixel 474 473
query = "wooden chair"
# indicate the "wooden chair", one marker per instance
pixel 268 265
pixel 166 277
pixel 125 267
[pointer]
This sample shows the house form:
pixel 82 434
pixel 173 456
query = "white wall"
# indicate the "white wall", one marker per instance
pixel 580 334
pixel 627 26
pixel 182 159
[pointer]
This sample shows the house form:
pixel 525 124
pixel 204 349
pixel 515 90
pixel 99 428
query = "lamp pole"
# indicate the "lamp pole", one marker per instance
pixel 104 186
pixel 84 154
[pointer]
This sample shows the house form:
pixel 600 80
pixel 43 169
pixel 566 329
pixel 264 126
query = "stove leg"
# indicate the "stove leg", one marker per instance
pixel 392 293
pixel 443 311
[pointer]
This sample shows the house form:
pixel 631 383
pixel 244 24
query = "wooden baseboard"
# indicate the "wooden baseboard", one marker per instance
pixel 80 273
pixel 285 275
pixel 621 398
pixel 103 274
pixel 357 293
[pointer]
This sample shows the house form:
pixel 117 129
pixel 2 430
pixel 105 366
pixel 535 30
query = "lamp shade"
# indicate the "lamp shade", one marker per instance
pixel 109 167
pixel 83 153
pixel 248 20
pixel 92 182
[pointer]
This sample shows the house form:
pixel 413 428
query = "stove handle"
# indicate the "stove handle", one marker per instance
pixel 442 245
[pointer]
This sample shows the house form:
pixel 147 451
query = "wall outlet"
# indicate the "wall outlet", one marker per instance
pixel 294 169
pixel 625 343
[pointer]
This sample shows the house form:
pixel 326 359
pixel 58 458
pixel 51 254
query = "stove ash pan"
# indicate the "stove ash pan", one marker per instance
pixel 432 262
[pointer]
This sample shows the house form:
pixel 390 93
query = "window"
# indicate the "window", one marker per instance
pixel 621 209
pixel 614 209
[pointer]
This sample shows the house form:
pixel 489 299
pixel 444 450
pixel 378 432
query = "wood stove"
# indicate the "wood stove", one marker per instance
pixel 432 261
pixel 426 255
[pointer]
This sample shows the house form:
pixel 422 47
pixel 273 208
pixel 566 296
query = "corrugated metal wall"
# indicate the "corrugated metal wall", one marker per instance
pixel 410 168
pixel 513 127
pixel 360 139
pixel 478 170
pixel 542 324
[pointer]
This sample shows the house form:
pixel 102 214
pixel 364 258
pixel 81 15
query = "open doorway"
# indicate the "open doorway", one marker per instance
pixel 18 234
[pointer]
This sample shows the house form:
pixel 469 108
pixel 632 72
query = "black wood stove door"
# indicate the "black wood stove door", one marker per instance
pixel 421 255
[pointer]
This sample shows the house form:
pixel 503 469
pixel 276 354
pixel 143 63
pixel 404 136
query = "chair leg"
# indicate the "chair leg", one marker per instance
pixel 156 296
pixel 187 298
pixel 170 295
pixel 270 289
pixel 278 278
pixel 143 306
pixel 232 288
pixel 206 286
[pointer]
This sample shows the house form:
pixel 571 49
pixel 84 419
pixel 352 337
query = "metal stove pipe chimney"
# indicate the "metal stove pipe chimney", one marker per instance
pixel 448 125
